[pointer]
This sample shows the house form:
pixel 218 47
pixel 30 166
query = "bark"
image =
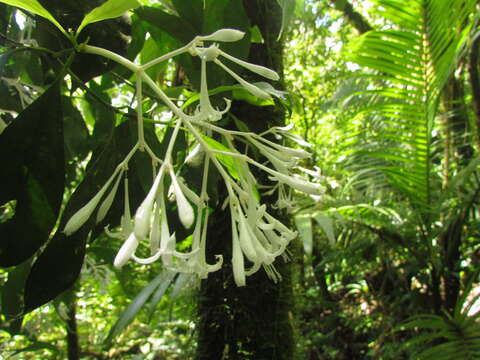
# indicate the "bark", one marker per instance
pixel 355 18
pixel 73 347
pixel 252 322
pixel 457 120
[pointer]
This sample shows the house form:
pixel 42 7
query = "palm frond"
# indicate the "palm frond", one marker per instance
pixel 449 337
pixel 411 63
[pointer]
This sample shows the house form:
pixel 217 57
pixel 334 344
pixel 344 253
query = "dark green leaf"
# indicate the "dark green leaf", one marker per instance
pixel 108 10
pixel 75 131
pixel 191 11
pixel 176 27
pixel 58 267
pixel 33 167
pixel 131 311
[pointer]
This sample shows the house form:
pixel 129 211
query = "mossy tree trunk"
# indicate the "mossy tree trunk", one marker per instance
pixel 255 321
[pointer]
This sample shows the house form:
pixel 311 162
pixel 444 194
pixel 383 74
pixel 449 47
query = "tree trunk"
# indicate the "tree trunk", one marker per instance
pixel 73 347
pixel 252 322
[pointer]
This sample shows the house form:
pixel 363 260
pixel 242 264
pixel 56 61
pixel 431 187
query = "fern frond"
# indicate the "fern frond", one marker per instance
pixel 411 64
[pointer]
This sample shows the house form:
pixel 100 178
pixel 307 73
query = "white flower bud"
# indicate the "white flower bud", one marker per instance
pixel 107 203
pixel 245 241
pixel 144 212
pixel 299 184
pixel 126 251
pixel 249 87
pixel 237 258
pixel 155 231
pixel 185 210
pixel 224 35
pixel 82 215
pixel 260 70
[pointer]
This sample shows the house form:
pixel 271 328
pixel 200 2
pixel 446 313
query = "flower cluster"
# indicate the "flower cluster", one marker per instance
pixel 258 238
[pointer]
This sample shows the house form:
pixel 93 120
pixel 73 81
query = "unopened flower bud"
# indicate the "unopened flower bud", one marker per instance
pixel 126 251
pixel 224 35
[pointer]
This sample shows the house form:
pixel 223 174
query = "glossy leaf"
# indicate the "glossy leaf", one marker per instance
pixel 33 168
pixel 175 26
pixel 36 8
pixel 108 10
pixel 226 160
pixel 137 303
pixel 62 259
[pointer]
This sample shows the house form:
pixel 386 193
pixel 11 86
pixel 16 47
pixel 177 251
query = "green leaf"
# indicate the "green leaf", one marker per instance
pixel 58 266
pixel 304 226
pixel 36 8
pixel 176 27
pixel 191 11
pixel 326 223
pixel 33 175
pixel 228 161
pixel 12 296
pixel 134 307
pixel 157 296
pixel 76 134
pixel 288 13
pixel 108 10
pixel 37 345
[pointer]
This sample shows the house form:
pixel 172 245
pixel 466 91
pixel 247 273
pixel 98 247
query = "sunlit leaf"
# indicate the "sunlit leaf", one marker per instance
pixel 326 223
pixel 226 160
pixel 304 226
pixel 35 7
pixel 108 10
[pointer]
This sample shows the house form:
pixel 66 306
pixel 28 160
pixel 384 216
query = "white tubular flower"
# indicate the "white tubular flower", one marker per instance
pixel 286 151
pixel 82 215
pixel 296 183
pixel 260 70
pixel 185 210
pixel 223 35
pixel 144 212
pixel 107 203
pixel 197 262
pixel 238 263
pixel 155 233
pixel 189 194
pixel 126 251
pixel 254 90
pixel 279 161
pixel 205 110
pixel 126 221
pixel 246 241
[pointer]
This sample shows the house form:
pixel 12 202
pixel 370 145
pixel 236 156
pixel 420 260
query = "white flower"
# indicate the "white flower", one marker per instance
pixel 144 212
pixel 82 215
pixel 126 251
pixel 205 111
pixel 185 210
pixel 224 35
